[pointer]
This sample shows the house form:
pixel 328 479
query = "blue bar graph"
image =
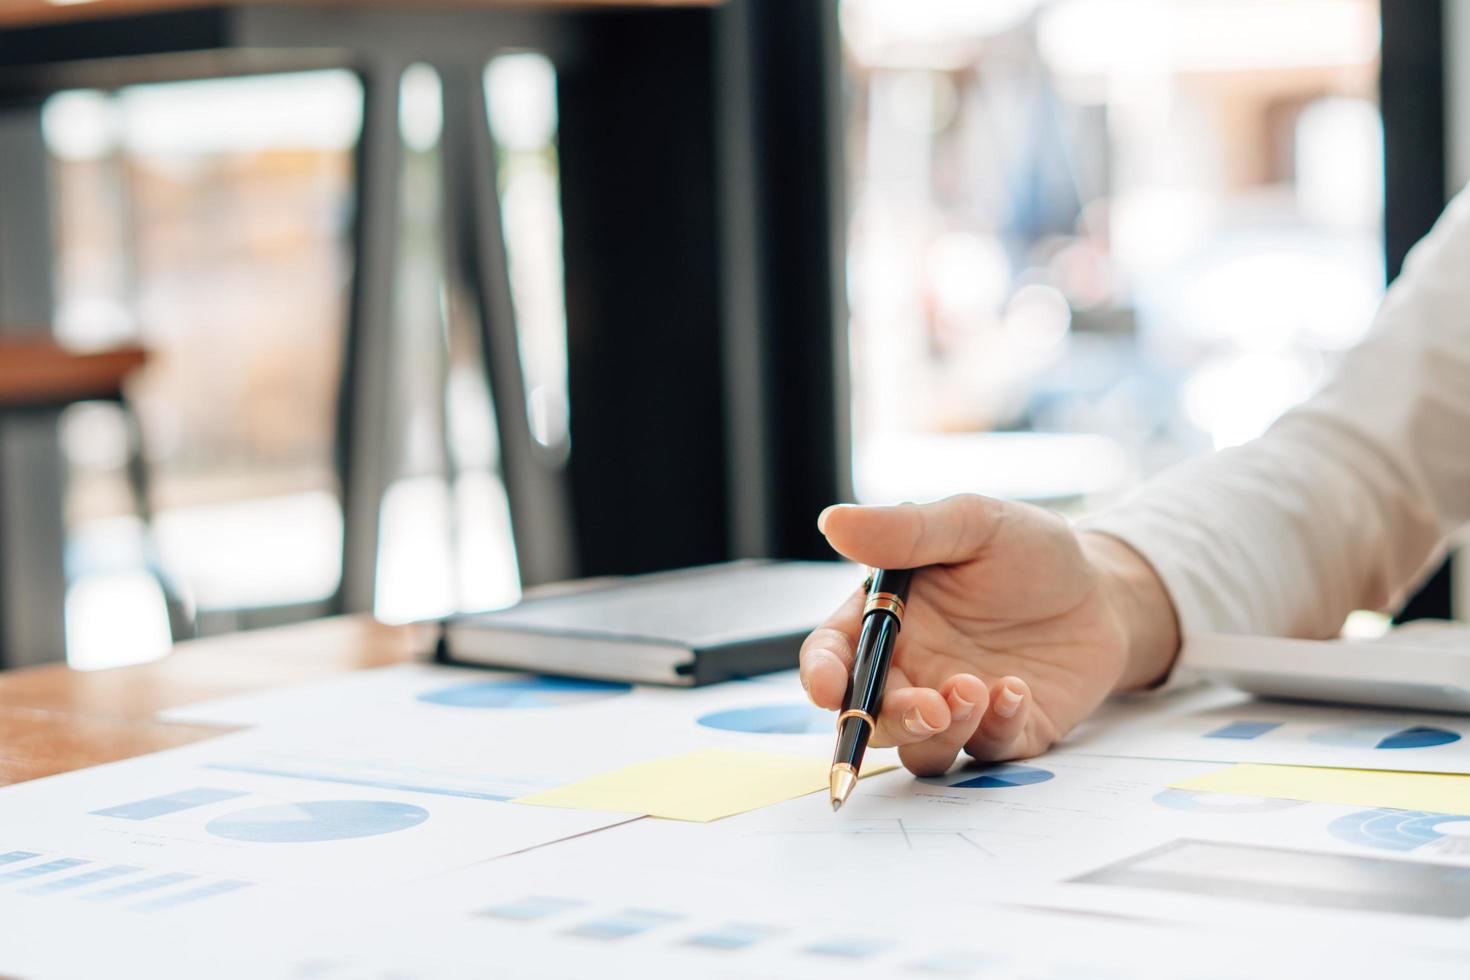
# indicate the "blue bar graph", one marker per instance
pixel 139 887
pixel 533 907
pixel 82 880
pixel 732 935
pixel 621 925
pixel 37 870
pixel 158 806
pixel 10 857
pixel 847 948
pixel 1244 730
pixel 195 895
pixel 956 963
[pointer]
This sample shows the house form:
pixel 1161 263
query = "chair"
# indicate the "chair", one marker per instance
pixel 38 374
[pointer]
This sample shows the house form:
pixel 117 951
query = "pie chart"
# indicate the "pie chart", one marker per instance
pixel 1007 775
pixel 1397 830
pixel 323 820
pixel 795 718
pixel 1379 736
pixel 1179 799
pixel 525 692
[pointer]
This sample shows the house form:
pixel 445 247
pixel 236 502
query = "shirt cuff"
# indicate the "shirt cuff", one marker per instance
pixel 1140 531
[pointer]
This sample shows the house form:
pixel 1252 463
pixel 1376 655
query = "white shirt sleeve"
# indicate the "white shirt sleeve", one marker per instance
pixel 1347 498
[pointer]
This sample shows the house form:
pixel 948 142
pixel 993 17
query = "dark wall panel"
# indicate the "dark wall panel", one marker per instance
pixel 1411 92
pixel 636 143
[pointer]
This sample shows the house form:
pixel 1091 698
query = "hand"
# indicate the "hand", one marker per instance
pixel 1015 630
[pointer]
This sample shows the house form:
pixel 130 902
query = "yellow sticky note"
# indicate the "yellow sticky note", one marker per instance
pixel 699 786
pixel 1432 791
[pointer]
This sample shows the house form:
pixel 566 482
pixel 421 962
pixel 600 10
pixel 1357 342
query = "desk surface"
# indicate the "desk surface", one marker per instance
pixel 32 13
pixel 53 719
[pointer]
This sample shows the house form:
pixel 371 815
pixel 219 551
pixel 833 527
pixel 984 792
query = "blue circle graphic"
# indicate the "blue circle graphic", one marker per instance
pixel 1179 799
pixel 1418 737
pixel 525 692
pixel 323 820
pixel 795 718
pixel 1005 775
pixel 1376 736
pixel 1392 830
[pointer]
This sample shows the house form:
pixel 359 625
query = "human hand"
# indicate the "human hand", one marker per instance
pixel 1015 630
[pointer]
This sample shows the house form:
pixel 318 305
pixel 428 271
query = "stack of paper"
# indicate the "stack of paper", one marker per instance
pixel 427 821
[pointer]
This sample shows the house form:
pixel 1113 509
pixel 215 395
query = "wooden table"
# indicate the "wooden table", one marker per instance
pixel 54 719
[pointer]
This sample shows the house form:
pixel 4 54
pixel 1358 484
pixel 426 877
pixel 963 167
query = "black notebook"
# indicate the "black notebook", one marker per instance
pixel 688 627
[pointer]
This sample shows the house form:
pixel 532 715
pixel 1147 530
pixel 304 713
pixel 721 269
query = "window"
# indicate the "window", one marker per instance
pixel 1091 237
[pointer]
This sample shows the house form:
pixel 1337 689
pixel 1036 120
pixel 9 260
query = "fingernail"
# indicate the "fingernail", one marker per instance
pixel 822 518
pixel 1008 703
pixel 914 723
pixel 959 708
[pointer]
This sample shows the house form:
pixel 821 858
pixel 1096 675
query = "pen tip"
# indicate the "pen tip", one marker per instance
pixel 843 779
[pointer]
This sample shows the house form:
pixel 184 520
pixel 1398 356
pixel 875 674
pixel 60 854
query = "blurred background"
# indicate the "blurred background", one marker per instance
pixel 209 220
pixel 1075 241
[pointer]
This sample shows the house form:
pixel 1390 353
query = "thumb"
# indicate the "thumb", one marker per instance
pixel 952 530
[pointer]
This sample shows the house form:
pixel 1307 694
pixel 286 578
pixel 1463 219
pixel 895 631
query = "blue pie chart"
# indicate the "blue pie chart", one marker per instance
pixel 1006 775
pixel 796 718
pixel 322 820
pixel 525 692
pixel 1393 830
pixel 1384 737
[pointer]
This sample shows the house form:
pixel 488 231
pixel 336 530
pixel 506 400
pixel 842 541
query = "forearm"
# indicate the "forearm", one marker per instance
pixel 1137 595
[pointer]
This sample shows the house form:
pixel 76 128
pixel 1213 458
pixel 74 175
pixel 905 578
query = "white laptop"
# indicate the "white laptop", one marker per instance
pixel 1422 666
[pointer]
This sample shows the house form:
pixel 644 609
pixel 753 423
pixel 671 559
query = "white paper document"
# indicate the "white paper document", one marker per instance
pixel 406 688
pixel 363 829
pixel 177 827
pixel 906 878
pixel 495 736
pixel 1219 725
pixel 654 899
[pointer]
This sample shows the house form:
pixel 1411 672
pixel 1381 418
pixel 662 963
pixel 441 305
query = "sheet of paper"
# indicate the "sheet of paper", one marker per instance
pixel 635 929
pixel 1107 833
pixel 698 786
pixel 668 898
pixel 1223 726
pixel 397 688
pixel 429 693
pixel 749 895
pixel 1437 792
pixel 513 925
pixel 176 827
pixel 500 737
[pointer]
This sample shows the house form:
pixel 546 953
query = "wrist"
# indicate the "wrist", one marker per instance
pixel 1138 597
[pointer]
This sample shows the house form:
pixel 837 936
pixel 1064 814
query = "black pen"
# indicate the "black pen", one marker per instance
pixel 888 590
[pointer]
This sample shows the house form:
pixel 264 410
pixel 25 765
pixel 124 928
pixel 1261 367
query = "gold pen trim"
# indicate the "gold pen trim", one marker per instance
pixel 841 781
pixel 886 601
pixel 855 713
